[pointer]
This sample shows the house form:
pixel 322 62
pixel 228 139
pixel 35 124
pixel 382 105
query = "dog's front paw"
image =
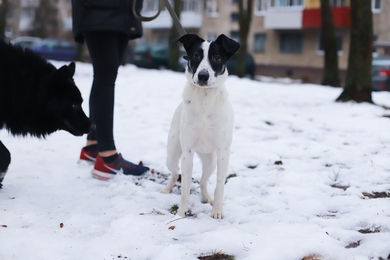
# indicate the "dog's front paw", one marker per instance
pixel 166 190
pixel 207 199
pixel 216 213
pixel 181 212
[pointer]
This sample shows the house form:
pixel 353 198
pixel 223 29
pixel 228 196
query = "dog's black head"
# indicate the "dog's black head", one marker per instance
pixel 207 60
pixel 63 107
pixel 45 100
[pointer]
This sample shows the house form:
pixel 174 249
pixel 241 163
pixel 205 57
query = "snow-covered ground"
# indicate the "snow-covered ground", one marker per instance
pixel 304 168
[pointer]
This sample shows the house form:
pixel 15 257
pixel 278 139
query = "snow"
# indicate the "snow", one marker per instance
pixel 271 211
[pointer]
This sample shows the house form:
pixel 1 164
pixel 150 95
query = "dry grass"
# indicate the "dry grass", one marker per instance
pixel 217 255
pixel 312 257
pixel 377 195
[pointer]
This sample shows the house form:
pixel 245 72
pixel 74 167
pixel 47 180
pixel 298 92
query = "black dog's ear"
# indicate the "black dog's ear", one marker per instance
pixel 63 71
pixel 72 69
pixel 189 39
pixel 230 46
pixel 67 71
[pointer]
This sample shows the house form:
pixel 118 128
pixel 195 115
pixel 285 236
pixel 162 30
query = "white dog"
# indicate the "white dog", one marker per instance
pixel 203 122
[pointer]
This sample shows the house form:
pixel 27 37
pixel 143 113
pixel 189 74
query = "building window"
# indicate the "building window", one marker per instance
pixel 337 2
pixel 150 6
pixel 260 6
pixel 191 6
pixel 339 38
pixel 291 43
pixel 259 42
pixel 376 5
pixel 235 35
pixel 234 17
pixel 286 3
pixel 212 8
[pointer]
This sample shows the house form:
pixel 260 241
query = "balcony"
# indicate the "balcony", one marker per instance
pixel 283 19
pixel 164 20
pixel 311 18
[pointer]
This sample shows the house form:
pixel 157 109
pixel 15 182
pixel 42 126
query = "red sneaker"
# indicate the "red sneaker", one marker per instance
pixel 105 171
pixel 88 156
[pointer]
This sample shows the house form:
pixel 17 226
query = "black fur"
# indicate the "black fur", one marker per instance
pixel 192 43
pixel 36 98
pixel 220 51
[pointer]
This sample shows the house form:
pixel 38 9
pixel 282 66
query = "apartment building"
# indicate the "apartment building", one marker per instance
pixel 284 38
pixel 289 34
pixel 21 15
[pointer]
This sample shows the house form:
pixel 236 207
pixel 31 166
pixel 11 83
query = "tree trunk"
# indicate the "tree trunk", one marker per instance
pixel 329 43
pixel 3 17
pixel 174 52
pixel 358 79
pixel 245 18
pixel 45 23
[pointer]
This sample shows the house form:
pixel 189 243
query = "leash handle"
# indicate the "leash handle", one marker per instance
pixel 147 19
pixel 175 19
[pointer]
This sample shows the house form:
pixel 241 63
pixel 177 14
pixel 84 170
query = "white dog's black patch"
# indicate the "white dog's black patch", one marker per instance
pixel 207 60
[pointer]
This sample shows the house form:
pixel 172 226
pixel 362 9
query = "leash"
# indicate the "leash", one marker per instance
pixel 175 19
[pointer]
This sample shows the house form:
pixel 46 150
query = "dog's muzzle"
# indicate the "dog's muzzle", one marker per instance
pixel 203 77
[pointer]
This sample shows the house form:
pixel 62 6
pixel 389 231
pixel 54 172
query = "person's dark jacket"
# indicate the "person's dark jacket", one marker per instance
pixel 105 15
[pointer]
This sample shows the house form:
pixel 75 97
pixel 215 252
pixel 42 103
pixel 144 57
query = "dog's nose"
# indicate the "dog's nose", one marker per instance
pixel 203 76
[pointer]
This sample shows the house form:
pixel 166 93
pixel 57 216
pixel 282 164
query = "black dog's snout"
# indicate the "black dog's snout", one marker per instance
pixel 203 76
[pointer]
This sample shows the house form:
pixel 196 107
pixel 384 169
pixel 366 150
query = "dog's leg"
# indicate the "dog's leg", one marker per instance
pixel 173 150
pixel 209 163
pixel 187 161
pixel 173 158
pixel 5 160
pixel 222 167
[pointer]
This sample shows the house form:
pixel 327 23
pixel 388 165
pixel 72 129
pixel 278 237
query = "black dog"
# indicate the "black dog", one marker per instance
pixel 36 98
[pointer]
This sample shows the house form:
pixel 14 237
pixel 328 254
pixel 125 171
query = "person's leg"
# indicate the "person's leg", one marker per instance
pixel 106 51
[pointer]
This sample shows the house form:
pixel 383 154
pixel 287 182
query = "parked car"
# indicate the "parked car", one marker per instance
pixel 53 49
pixel 380 74
pixel 26 41
pixel 250 66
pixel 152 56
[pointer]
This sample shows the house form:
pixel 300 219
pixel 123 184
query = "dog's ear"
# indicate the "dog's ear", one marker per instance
pixel 67 71
pixel 63 71
pixel 230 46
pixel 72 69
pixel 188 40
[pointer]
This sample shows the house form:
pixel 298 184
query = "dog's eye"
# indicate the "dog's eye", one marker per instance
pixel 197 56
pixel 216 58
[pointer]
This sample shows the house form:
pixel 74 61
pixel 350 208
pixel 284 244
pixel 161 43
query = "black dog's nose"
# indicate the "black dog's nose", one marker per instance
pixel 203 76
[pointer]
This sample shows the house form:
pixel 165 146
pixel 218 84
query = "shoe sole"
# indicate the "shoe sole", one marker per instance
pixel 85 162
pixel 102 175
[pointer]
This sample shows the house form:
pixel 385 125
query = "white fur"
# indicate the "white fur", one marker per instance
pixel 204 64
pixel 202 124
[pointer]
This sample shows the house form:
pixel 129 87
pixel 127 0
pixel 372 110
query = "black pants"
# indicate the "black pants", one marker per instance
pixel 106 50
